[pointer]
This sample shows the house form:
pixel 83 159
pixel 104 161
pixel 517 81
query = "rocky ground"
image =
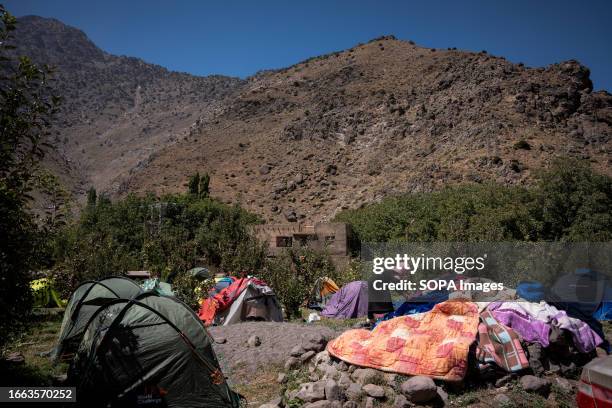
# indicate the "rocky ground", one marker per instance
pixel 285 365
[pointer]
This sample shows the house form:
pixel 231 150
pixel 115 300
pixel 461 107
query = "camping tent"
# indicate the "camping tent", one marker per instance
pixel 199 272
pixel 322 291
pixel 84 301
pixel 149 351
pixel 245 299
pixel 349 302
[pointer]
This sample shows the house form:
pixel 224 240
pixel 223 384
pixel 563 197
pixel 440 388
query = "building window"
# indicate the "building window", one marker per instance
pixel 284 242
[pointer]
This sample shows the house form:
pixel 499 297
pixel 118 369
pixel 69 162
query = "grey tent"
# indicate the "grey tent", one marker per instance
pixel 149 351
pixel 85 300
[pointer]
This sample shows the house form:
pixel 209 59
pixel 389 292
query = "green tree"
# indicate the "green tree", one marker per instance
pixel 194 184
pixel 203 188
pixel 27 105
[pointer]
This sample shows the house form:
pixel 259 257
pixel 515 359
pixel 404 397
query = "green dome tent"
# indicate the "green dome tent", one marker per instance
pixel 83 303
pixel 152 349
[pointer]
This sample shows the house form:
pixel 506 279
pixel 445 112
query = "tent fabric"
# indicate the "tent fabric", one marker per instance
pixel 531 291
pixel 84 302
pixel 157 286
pixel 417 304
pixel 499 344
pixel 199 272
pixel 349 302
pixel 149 350
pixel 434 344
pixel 533 321
pixel 322 291
pixel 245 299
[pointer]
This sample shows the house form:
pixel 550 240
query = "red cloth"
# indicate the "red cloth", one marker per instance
pixel 224 299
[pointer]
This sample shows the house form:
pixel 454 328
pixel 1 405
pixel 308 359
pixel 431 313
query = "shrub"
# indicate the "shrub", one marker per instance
pixel 190 289
pixel 522 145
pixel 293 274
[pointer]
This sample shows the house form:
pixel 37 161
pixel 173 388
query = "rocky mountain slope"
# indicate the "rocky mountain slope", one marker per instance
pixel 332 132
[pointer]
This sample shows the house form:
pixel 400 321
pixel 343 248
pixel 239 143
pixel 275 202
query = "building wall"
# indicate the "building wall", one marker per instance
pixel 332 237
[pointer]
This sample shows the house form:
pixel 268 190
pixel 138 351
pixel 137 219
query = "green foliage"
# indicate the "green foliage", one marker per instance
pixel 569 202
pixel 199 185
pixel 165 235
pixel 26 106
pixel 190 289
pixel 293 274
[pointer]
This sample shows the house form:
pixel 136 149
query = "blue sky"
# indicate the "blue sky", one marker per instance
pixel 239 38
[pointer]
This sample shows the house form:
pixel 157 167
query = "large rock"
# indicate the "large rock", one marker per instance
pixel 292 363
pixel 502 400
pixel 312 391
pixel 419 389
pixel 254 341
pixel 333 392
pixel 375 391
pixel 297 351
pixel 364 376
pixel 322 357
pixel 307 356
pixel 369 402
pixel 564 385
pixel 315 343
pixel 344 381
pixel 282 378
pixel 531 383
pixel 354 392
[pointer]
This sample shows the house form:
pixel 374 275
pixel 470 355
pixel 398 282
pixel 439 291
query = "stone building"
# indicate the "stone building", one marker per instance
pixel 334 238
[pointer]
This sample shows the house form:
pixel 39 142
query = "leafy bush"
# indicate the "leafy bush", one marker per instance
pixel 165 235
pixel 569 202
pixel 293 274
pixel 190 289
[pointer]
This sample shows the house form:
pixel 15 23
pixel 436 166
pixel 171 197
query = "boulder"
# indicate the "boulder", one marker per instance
pixel 504 380
pixel 307 356
pixel 291 216
pixel 531 383
pixel 332 391
pixel 322 357
pixel 364 376
pixel 375 391
pixel 502 400
pixel 220 340
pixel 342 366
pixel 315 343
pixel 297 351
pixel 282 378
pixel 419 389
pixel 369 402
pixel 443 395
pixel 312 391
pixel 254 341
pixel 564 385
pixel 344 381
pixel 354 392
pixel 292 363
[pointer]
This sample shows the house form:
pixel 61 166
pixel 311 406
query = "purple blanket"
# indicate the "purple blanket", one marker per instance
pixel 533 322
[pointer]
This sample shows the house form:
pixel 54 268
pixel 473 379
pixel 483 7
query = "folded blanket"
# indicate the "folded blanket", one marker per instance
pixel 499 344
pixel 533 321
pixel 434 343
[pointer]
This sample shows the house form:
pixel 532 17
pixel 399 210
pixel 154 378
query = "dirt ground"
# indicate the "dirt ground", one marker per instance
pixel 252 371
